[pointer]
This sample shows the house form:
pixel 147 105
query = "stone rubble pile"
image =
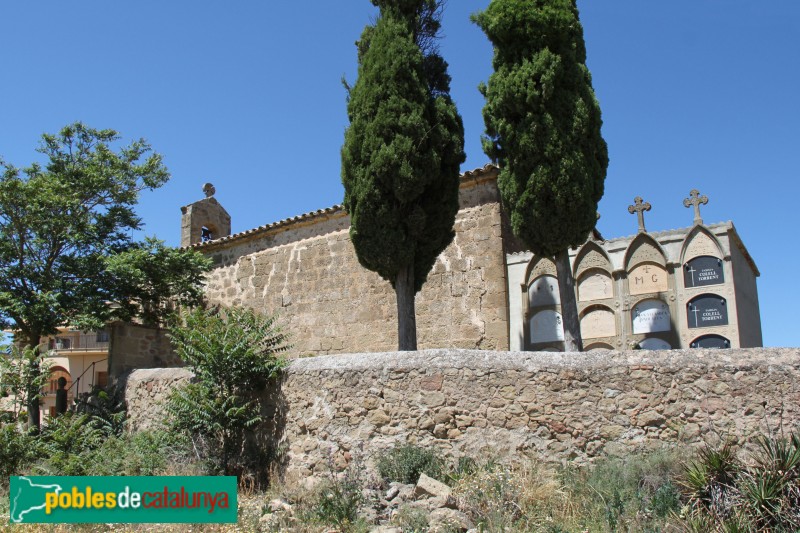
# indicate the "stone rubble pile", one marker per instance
pixel 429 496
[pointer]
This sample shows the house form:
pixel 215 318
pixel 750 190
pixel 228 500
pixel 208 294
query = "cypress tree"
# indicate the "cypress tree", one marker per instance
pixel 543 128
pixel 402 152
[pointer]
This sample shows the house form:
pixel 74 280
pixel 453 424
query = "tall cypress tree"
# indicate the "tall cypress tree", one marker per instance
pixel 402 152
pixel 543 128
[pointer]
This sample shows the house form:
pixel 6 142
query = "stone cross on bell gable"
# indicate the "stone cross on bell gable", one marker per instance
pixel 639 208
pixel 695 199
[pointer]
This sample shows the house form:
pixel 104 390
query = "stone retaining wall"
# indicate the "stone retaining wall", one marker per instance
pixel 551 405
pixel 145 392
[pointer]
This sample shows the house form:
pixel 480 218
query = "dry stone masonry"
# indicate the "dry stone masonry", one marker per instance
pixel 146 391
pixel 549 405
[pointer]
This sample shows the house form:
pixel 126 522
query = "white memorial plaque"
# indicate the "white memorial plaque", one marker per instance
pixel 651 316
pixel 546 326
pixel 654 344
pixel 544 291
pixel 598 323
pixel 595 286
pixel 647 278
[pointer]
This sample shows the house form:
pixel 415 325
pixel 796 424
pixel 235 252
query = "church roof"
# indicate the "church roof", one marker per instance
pixel 468 178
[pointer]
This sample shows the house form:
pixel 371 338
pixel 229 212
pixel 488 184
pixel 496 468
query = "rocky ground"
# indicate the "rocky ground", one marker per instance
pixel 428 503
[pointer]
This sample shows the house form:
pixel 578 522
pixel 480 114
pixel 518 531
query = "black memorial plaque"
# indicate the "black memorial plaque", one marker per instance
pixel 703 270
pixel 711 341
pixel 707 310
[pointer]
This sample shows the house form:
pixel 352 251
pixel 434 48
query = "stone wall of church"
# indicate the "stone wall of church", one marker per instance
pixel 307 272
pixel 550 405
pixel 136 346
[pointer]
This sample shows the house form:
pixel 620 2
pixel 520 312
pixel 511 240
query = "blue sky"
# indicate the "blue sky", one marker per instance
pixel 695 94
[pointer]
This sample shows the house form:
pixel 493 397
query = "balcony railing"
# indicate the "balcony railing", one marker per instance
pixel 84 342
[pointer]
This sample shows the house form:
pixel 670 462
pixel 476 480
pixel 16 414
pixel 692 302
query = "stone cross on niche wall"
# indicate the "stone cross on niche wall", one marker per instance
pixel 639 208
pixel 695 200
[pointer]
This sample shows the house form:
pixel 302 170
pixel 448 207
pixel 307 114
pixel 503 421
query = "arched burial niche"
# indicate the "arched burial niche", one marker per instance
pixel 598 322
pixel 541 283
pixel 543 292
pixel 651 316
pixel 546 326
pixel 646 264
pixel 544 323
pixel 702 271
pixel 711 341
pixel 597 346
pixel 702 259
pixel 654 343
pixel 707 310
pixel 593 274
pixel 595 284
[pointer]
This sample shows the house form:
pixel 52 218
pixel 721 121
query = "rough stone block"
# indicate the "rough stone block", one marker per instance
pixel 427 487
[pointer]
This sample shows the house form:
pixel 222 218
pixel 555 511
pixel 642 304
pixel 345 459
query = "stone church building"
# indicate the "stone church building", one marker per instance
pixel 691 287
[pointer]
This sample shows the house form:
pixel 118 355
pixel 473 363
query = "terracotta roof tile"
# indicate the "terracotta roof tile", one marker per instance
pixel 487 170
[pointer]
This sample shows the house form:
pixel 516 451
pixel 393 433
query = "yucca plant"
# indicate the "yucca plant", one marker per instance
pixel 762 497
pixel 770 486
pixel 724 494
pixel 709 482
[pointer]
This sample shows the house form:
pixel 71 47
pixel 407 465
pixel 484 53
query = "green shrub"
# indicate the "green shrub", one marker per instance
pixel 411 519
pixel 405 463
pixel 67 445
pixel 338 502
pixel 16 451
pixel 234 353
pixel 145 453
pixel 338 499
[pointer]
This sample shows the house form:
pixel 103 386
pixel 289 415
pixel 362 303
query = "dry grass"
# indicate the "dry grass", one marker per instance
pixel 528 496
pixel 525 497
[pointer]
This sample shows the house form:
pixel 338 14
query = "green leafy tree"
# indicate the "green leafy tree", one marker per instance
pixel 154 280
pixel 402 152
pixel 21 372
pixel 543 128
pixel 58 223
pixel 234 353
pixel 17 447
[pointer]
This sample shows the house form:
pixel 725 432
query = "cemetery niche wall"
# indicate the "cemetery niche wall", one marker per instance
pixel 693 287
pixel 652 290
